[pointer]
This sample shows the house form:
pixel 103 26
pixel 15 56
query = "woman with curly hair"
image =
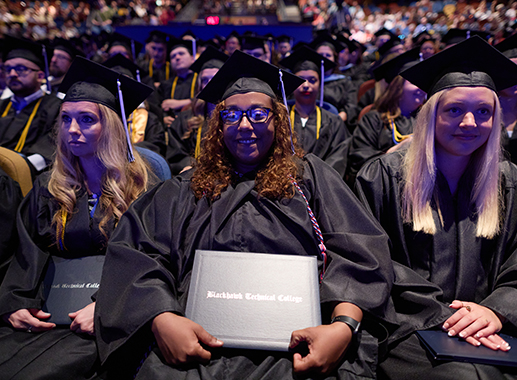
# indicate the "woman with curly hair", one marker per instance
pixel 69 214
pixel 390 121
pixel 250 190
pixel 448 204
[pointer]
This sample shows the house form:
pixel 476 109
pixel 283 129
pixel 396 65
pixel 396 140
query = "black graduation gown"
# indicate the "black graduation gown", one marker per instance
pixel 183 88
pixel 371 138
pixel 159 75
pixel 341 93
pixel 357 73
pixel 180 150
pixel 58 353
pixel 329 146
pixel 149 261
pixel 433 270
pixel 11 196
pixel 40 139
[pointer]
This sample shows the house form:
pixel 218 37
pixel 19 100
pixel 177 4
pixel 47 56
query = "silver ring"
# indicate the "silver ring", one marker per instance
pixel 29 329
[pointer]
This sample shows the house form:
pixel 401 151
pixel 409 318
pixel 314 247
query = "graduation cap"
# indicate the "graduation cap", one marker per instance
pixel 253 42
pixel 92 82
pixel 234 34
pixel 383 31
pixel 158 37
pixel 299 45
pixel 284 38
pixel 133 47
pixel 470 63
pixel 508 47
pixel 423 36
pixel 122 65
pixel 243 73
pixel 67 46
pixel 211 58
pixel 328 40
pixel 454 36
pixel 389 70
pixel 21 48
pixel 349 44
pixel 307 59
pixel 391 43
pixel 188 33
pixel 188 44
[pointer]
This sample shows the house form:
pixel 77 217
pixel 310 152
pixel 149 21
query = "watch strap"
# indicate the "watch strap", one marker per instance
pixel 351 322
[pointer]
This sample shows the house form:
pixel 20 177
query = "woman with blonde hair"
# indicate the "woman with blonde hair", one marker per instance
pixel 447 202
pixel 68 216
pixel 251 190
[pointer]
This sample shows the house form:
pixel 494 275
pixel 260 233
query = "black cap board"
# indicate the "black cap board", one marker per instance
pixel 92 82
pixel 284 38
pixel 119 62
pixel 383 31
pixel 211 58
pixel 328 40
pixel 21 48
pixel 158 37
pixel 389 70
pixel 392 42
pixel 454 36
pixel 253 42
pixel 470 63
pixel 305 58
pixel 508 47
pixel 66 46
pixel 132 46
pixel 349 44
pixel 243 73
pixel 177 42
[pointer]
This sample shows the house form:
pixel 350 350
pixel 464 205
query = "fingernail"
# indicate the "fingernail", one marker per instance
pixel 478 344
pixel 445 326
pixel 462 334
pixel 478 335
pixel 451 333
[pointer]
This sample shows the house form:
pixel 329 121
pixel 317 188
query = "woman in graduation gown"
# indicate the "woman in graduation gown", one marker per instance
pixel 240 197
pixel 317 130
pixel 448 204
pixel 339 89
pixel 70 213
pixel 390 121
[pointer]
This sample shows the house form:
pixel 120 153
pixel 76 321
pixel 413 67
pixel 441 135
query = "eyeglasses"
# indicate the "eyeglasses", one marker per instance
pixel 19 69
pixel 255 115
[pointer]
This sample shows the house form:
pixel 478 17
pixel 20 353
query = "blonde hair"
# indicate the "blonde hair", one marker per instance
pixel 419 173
pixel 122 181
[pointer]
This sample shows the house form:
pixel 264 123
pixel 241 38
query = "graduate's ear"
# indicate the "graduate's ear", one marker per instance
pixel 41 75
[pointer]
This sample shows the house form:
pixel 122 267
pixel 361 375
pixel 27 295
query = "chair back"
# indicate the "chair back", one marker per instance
pixel 158 164
pixel 17 168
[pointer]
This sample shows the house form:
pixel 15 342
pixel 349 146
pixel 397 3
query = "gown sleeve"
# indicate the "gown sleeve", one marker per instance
pixel 143 260
pixel 21 287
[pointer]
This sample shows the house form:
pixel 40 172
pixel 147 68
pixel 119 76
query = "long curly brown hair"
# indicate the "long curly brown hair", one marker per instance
pixel 214 171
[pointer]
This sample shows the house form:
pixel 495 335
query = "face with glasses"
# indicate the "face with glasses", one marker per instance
pixel 248 129
pixel 22 76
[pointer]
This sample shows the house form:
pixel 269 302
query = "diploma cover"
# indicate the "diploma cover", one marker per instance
pixel 254 300
pixel 69 285
pixel 443 347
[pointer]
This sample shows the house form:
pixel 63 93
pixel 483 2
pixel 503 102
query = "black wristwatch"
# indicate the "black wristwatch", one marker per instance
pixel 351 322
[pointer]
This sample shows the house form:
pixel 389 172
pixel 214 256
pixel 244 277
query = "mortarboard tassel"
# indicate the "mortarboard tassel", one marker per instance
pixel 287 108
pixel 47 75
pixel 322 75
pixel 130 155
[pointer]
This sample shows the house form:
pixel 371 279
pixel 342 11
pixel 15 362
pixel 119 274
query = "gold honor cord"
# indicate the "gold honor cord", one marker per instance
pixel 151 62
pixel 21 142
pixel 197 151
pixel 167 70
pixel 192 87
pixel 7 109
pixel 64 215
pixel 318 120
pixel 397 137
